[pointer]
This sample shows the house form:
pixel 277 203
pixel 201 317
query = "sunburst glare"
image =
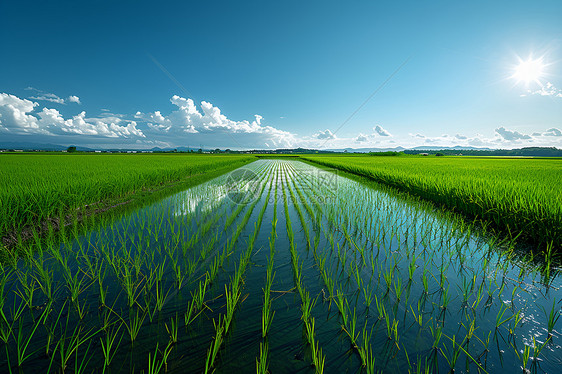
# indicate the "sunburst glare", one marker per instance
pixel 531 70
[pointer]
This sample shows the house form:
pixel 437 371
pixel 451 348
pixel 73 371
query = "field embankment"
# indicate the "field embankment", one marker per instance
pixel 519 196
pixel 35 187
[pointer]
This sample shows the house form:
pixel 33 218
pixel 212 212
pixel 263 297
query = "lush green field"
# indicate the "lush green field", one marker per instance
pixel 36 186
pixel 299 276
pixel 516 195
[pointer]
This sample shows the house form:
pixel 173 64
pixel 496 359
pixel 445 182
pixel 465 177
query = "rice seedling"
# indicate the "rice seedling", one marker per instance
pixel 232 299
pixel 109 345
pixel 68 345
pixel 500 319
pixel 23 342
pixel 262 364
pixel 155 366
pixel 173 329
pixel 134 324
pixel 215 345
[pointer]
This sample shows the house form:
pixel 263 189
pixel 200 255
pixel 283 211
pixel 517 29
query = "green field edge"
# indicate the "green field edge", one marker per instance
pixel 523 235
pixel 111 208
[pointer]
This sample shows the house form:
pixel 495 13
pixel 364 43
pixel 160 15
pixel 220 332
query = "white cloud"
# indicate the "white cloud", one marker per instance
pixel 209 126
pixel 14 117
pixel 17 117
pixel 51 97
pixel 325 135
pixel 74 99
pixel 380 131
pixel 48 97
pixel 511 135
pixel 361 138
pixel 547 90
pixel 553 132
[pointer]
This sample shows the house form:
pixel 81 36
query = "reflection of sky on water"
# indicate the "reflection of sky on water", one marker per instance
pixel 206 198
pixel 212 194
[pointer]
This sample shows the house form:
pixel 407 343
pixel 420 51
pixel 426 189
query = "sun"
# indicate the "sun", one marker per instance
pixel 529 71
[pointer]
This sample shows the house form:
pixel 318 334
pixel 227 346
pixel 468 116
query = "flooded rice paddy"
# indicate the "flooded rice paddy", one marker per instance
pixel 285 267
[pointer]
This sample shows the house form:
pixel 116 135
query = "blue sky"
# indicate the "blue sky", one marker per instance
pixel 123 74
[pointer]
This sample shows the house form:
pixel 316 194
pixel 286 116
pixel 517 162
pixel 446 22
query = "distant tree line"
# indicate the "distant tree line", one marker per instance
pixel 527 151
pixel 389 153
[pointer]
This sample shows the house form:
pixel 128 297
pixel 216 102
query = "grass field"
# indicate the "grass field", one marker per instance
pixel 520 196
pixel 36 186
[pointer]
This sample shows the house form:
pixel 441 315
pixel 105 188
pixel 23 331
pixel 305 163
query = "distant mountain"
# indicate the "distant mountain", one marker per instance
pixel 456 148
pixel 467 151
pixel 40 147
pixel 367 150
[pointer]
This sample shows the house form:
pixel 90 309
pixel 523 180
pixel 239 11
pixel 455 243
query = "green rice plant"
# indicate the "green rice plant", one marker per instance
pixel 136 320
pixel 524 357
pixel 418 318
pixel 43 278
pixel 412 268
pixel 213 350
pixel 214 269
pixel 425 281
pixel 28 285
pixel 317 356
pixel 451 354
pixel 380 308
pixel 6 328
pixel 552 317
pixel 537 348
pixel 262 364
pixel 469 330
pixel 161 297
pixel 232 299
pixel 199 295
pixel 155 366
pixel 179 275
pixel 367 293
pixel 267 313
pixel 500 320
pixel 68 345
pixel 192 312
pixel 436 333
pixel 109 345
pixel 173 329
pixel 351 327
pixel 445 298
pixel 365 350
pixel 479 296
pixel 23 339
pixel 340 303
pixel 398 288
pixel 388 275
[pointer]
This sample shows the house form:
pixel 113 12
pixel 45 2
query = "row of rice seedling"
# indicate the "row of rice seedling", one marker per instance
pixel 306 302
pixel 134 277
pixel 262 363
pixel 37 187
pixel 405 287
pixel 518 196
pixel 349 322
pixel 465 288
